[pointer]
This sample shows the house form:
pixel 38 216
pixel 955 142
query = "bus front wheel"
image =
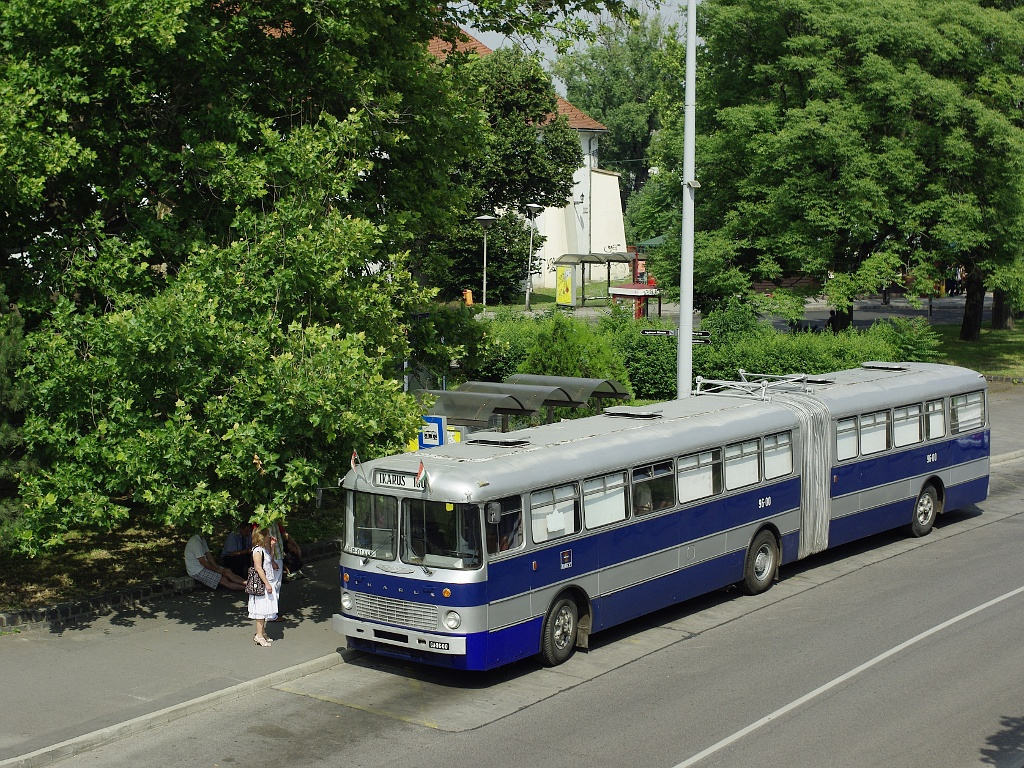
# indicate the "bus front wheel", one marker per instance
pixel 926 510
pixel 762 563
pixel 560 626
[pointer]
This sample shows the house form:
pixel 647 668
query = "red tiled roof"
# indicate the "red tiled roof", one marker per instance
pixel 577 118
pixel 441 48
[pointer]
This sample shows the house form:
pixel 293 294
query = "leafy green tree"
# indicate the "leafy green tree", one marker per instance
pixel 528 154
pixel 217 397
pixel 614 79
pixel 855 142
pixel 14 397
pixel 205 210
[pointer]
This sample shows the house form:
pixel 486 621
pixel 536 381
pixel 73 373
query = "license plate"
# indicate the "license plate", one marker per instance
pixel 434 645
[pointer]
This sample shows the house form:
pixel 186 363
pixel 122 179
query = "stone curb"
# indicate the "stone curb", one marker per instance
pixel 65 614
pixel 141 723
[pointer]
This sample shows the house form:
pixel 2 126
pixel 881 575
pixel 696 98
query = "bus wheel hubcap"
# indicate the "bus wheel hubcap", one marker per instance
pixel 925 508
pixel 762 563
pixel 563 627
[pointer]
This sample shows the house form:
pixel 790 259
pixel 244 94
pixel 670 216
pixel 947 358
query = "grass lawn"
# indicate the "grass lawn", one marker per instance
pixel 996 353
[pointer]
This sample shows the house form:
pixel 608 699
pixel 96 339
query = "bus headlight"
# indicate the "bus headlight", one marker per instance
pixel 452 620
pixel 346 601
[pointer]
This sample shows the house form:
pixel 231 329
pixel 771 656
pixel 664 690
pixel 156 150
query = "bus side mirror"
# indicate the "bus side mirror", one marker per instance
pixel 493 512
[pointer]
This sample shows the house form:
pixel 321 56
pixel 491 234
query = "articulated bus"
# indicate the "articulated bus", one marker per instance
pixel 511 545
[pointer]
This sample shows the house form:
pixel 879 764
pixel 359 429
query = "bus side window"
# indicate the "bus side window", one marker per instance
pixel 778 455
pixel 874 432
pixel 653 487
pixel 966 412
pixel 554 513
pixel 507 533
pixel 906 425
pixel 846 439
pixel 604 500
pixel 699 475
pixel 935 419
pixel 742 465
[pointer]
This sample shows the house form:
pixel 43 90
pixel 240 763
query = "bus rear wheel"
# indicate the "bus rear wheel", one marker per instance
pixel 761 564
pixel 926 510
pixel 560 627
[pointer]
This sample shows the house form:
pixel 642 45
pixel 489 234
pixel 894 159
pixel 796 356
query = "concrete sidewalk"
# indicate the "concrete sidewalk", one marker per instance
pixel 65 691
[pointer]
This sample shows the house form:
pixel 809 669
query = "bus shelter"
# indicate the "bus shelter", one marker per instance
pixel 579 261
pixel 534 396
pixel 474 403
pixel 580 390
pixel 475 409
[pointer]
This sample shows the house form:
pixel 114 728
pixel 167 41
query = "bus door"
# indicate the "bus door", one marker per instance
pixel 508 579
pixel 331 502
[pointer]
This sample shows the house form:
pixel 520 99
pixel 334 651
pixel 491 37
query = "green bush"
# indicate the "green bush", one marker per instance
pixel 508 339
pixel 566 346
pixel 650 361
pixel 779 353
pixel 912 340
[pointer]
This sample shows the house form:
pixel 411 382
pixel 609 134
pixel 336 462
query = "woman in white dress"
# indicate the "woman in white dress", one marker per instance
pixel 263 607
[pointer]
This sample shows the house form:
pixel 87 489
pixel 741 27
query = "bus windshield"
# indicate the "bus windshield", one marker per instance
pixel 440 534
pixel 371 529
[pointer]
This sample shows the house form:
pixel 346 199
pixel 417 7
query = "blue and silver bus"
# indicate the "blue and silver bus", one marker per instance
pixel 511 545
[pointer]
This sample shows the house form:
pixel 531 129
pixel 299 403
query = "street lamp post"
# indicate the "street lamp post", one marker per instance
pixel 485 222
pixel 534 209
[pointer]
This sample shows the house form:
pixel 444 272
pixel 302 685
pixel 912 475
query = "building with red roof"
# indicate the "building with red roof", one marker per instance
pixel 590 222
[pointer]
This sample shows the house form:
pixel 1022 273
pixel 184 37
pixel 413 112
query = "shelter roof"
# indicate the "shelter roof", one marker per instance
pixel 615 257
pixel 528 394
pixel 474 409
pixel 580 389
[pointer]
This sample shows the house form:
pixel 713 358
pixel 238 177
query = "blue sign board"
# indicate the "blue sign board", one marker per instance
pixel 432 433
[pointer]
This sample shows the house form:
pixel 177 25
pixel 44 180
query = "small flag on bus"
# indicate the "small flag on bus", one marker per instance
pixel 355 460
pixel 420 474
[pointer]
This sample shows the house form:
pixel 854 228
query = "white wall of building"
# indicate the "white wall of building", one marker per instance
pixel 591 222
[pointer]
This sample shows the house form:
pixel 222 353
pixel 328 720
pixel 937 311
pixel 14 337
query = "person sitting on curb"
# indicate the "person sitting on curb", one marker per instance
pixel 201 566
pixel 237 552
pixel 292 557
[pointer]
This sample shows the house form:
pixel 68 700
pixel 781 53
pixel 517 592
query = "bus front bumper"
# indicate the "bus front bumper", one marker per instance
pixel 410 639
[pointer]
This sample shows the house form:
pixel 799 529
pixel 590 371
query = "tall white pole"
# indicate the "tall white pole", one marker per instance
pixel 485 222
pixel 533 208
pixel 684 361
pixel 529 267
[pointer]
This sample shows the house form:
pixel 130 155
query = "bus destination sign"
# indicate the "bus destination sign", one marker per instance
pixel 396 480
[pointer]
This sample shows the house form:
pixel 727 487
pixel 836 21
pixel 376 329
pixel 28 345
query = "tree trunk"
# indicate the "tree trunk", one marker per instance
pixel 974 306
pixel 1002 311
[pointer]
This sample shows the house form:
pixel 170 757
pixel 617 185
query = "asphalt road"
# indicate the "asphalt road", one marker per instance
pixel 891 651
